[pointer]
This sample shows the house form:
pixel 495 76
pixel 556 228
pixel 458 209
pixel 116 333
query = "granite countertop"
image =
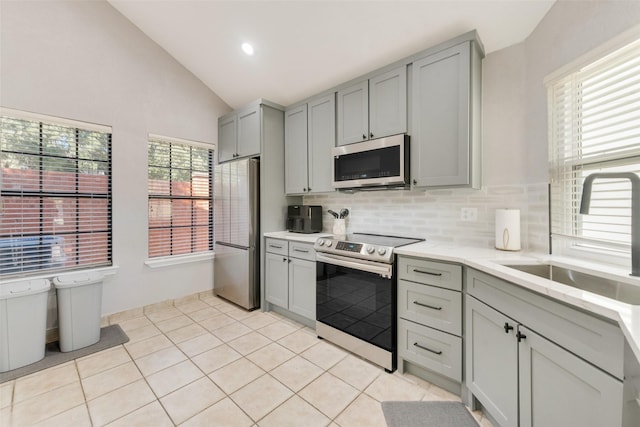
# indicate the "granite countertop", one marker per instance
pixel 495 262
pixel 296 237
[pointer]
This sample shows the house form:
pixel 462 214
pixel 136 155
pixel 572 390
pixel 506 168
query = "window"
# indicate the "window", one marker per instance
pixel 55 194
pixel 180 197
pixel 594 126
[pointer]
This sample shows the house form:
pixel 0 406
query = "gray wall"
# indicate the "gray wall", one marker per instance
pixel 85 61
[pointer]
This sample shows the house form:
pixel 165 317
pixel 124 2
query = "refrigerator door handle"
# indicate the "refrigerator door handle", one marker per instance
pixel 231 245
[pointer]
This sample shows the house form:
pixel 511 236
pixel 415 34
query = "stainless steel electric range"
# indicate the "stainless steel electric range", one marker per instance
pixel 356 294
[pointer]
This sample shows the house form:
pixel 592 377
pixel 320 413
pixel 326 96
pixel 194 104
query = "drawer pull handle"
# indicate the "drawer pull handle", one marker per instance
pixel 301 250
pixel 427 272
pixel 427 305
pixel 428 349
pixel 275 246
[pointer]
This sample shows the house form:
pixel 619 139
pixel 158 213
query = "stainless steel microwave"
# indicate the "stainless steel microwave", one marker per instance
pixel 382 162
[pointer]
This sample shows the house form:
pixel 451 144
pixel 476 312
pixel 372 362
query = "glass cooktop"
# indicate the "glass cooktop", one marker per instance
pixel 379 240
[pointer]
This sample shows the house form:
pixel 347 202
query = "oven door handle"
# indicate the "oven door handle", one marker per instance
pixel 383 270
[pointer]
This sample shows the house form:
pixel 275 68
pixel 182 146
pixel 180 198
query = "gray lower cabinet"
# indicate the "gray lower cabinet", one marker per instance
pixel 373 108
pixel 310 134
pixel 523 378
pixel 290 276
pixel 445 134
pixel 430 320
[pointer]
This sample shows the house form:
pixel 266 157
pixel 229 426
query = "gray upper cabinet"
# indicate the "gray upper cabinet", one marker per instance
pixel 310 133
pixel 373 108
pixel 446 118
pixel 239 134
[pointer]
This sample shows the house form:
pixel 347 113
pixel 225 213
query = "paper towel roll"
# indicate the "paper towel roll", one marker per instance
pixel 508 229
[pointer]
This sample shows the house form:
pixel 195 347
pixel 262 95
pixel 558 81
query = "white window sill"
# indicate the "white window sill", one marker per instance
pixel 178 259
pixel 107 271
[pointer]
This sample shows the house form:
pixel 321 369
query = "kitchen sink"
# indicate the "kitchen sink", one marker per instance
pixel 620 291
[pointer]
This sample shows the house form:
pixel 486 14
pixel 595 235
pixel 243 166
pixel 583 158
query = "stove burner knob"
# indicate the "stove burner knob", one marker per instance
pixel 329 243
pixel 320 242
pixel 382 251
pixel 370 250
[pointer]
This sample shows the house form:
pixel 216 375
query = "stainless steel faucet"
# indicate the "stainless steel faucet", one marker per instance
pixel 635 209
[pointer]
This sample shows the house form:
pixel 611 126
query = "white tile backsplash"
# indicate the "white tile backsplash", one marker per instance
pixel 435 214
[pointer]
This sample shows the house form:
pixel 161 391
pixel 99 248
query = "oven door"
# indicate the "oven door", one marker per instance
pixel 358 298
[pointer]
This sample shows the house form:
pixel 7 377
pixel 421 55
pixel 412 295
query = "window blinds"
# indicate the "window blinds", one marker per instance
pixel 55 187
pixel 594 123
pixel 180 197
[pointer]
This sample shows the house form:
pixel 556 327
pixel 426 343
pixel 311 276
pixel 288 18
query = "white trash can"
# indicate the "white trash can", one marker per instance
pixel 23 322
pixel 79 309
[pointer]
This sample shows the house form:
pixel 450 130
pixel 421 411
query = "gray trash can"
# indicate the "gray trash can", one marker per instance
pixel 23 322
pixel 79 309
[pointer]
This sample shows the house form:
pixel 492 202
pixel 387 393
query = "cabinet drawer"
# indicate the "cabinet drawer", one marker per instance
pixel 276 246
pixel 302 251
pixel 593 339
pixel 431 349
pixel 430 273
pixel 431 306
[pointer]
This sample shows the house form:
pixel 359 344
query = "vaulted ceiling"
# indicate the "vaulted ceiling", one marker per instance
pixel 304 47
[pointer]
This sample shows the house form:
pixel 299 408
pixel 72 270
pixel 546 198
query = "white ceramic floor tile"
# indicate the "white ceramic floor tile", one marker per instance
pixel 142 334
pixel 174 377
pixel 270 356
pixel 150 345
pixel 217 322
pixel 6 393
pixel 44 381
pixel 149 415
pixel 216 358
pixel 262 396
pixel 391 387
pixel 238 314
pixel 298 341
pixel 249 343
pixel 225 413
pixel 101 361
pixel 192 306
pixel 277 330
pixel 106 381
pixel 324 354
pixel 160 360
pixel 231 331
pixel 120 402
pixel 296 373
pixel 205 313
pixel 355 371
pixel 363 411
pixel 199 344
pixel 329 394
pixel 258 320
pixel 76 417
pixel 162 314
pixel 236 374
pixel 47 405
pixel 131 324
pixel 174 323
pixel 293 413
pixel 186 402
pixel 122 316
pixel 186 333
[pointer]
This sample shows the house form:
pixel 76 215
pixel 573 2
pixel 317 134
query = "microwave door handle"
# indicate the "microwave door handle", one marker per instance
pixel 384 271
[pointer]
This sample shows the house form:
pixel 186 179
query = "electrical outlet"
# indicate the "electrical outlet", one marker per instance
pixel 469 214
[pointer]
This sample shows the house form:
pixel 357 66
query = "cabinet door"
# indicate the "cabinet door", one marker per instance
pixel 276 279
pixel 248 132
pixel 492 361
pixel 440 140
pixel 302 287
pixel 322 138
pixel 295 150
pixel 227 138
pixel 353 114
pixel 388 103
pixel 560 389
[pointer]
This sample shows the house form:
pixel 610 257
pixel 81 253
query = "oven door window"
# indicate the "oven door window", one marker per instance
pixel 359 303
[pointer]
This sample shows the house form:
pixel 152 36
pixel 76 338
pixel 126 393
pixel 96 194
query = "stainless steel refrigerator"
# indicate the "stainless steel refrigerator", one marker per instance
pixel 236 230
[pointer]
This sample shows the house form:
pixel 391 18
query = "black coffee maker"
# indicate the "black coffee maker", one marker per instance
pixel 304 219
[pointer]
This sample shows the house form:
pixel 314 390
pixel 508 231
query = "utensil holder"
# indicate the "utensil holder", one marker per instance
pixel 339 226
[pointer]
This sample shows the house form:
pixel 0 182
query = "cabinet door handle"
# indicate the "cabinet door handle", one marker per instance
pixel 427 272
pixel 284 259
pixel 415 182
pixel 370 135
pixel 520 336
pixel 275 246
pixel 364 136
pixel 507 328
pixel 428 306
pixel 308 188
pixel 301 250
pixel 426 348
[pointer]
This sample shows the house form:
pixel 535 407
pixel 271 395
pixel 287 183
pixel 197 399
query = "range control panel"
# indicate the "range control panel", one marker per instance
pixel 366 251
pixel 349 246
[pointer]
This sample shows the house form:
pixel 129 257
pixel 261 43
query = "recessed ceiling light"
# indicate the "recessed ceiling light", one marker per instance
pixel 247 48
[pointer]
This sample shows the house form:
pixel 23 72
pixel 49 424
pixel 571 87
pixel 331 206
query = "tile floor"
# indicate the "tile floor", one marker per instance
pixel 205 362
